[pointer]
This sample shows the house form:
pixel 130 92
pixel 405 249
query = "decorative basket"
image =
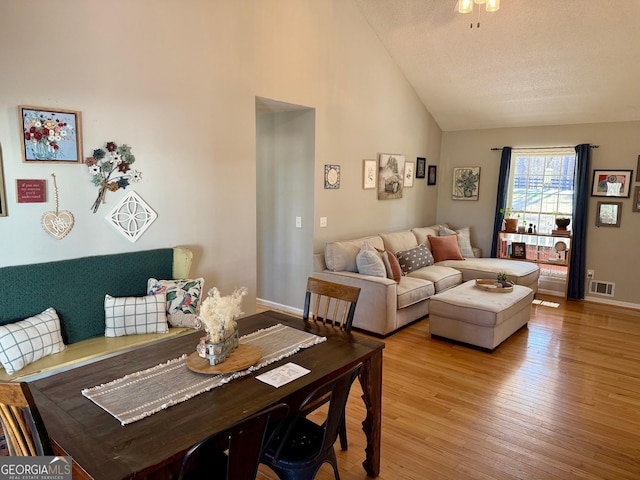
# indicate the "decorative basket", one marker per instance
pixel 217 353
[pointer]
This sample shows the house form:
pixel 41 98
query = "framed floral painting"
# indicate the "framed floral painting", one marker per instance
pixel 50 135
pixel 466 183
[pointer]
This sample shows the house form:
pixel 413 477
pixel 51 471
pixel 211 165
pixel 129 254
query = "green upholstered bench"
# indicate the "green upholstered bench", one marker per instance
pixel 76 289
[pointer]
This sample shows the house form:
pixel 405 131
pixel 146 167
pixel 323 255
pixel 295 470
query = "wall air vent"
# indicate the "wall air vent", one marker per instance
pixel 602 288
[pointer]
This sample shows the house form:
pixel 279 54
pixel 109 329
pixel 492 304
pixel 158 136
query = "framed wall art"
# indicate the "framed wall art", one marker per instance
pixel 390 176
pixel 432 175
pixel 609 214
pixel 421 166
pixel 369 174
pixel 409 168
pixel 519 250
pixel 636 199
pixel 466 183
pixel 3 198
pixel 611 183
pixel 638 170
pixel 50 135
pixel 31 190
pixel 332 177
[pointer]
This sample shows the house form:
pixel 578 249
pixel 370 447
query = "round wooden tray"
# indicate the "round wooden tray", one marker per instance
pixel 492 286
pixel 242 357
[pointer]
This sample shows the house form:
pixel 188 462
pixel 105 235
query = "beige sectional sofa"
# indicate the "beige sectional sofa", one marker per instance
pixel 385 304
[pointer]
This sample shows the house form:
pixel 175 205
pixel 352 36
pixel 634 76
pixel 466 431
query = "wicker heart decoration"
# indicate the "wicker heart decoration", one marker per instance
pixel 57 224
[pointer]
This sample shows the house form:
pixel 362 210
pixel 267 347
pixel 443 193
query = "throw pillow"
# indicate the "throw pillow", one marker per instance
pixel 135 315
pixel 26 341
pixel 183 298
pixel 464 239
pixel 445 248
pixel 369 262
pixel 391 263
pixel 414 259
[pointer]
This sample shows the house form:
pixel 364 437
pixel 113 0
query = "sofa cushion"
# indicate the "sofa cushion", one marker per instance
pixel 443 278
pixel 413 290
pixel 414 259
pixel 341 256
pixel 26 341
pixel 445 248
pixel 398 241
pixel 369 261
pixel 135 315
pixel 521 273
pixel 422 234
pixel 464 239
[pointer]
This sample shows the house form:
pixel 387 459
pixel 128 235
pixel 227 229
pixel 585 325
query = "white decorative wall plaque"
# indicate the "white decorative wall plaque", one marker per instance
pixel 131 216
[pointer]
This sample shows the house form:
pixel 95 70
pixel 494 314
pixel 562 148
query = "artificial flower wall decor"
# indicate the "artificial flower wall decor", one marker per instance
pixel 110 169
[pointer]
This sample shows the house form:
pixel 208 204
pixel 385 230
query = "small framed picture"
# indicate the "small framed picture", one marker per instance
pixel 432 175
pixel 636 199
pixel 369 174
pixel 332 176
pixel 421 167
pixel 31 190
pixel 519 250
pixel 609 214
pixel 409 171
pixel 611 183
pixel 50 135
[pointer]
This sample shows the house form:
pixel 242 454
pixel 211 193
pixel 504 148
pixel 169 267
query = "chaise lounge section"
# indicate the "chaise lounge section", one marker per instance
pixel 392 300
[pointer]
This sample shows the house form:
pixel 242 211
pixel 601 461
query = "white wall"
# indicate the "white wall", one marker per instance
pixel 611 252
pixel 177 80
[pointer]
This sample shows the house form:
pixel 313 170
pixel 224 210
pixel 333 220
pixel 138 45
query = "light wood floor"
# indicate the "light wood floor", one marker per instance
pixel 558 400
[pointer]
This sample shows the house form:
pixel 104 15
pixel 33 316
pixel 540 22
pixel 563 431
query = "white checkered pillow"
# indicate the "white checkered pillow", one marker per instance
pixel 26 341
pixel 135 315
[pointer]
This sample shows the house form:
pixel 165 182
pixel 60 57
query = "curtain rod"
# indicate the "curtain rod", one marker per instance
pixel 541 148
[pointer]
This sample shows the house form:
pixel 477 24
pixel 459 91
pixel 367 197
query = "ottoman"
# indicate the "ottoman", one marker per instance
pixel 477 317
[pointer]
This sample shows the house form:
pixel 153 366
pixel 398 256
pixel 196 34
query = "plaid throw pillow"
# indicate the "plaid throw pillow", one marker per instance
pixel 135 315
pixel 26 341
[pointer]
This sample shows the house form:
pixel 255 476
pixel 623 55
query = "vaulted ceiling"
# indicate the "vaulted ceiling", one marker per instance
pixel 533 62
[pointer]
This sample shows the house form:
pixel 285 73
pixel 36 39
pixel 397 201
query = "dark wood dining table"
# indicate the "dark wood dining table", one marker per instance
pixel 153 447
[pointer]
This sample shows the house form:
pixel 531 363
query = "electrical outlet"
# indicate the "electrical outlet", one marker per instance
pixel 298 222
pixel 590 273
pixel 323 221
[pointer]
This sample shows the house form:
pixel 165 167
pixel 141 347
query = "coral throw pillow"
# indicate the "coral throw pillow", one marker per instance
pixel 445 248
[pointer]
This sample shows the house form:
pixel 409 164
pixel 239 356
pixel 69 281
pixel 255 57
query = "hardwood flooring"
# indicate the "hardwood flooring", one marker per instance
pixel 558 400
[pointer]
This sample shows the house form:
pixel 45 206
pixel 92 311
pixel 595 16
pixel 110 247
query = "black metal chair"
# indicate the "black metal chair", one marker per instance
pixel 235 453
pixel 301 447
pixel 24 429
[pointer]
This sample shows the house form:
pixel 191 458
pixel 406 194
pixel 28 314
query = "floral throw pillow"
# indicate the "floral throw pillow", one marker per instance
pixel 183 299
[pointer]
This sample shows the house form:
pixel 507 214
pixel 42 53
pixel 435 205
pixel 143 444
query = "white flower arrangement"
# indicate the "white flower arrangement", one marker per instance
pixel 218 313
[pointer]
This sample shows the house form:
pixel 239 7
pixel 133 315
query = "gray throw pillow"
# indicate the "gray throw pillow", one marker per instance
pixel 414 259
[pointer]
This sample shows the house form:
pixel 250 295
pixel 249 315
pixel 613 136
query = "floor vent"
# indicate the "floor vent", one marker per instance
pixel 602 288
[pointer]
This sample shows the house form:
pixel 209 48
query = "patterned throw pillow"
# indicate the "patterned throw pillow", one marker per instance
pixel 183 298
pixel 414 259
pixel 135 315
pixel 26 341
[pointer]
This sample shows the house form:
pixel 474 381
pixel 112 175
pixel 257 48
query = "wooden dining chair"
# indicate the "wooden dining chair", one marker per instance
pixel 235 453
pixel 330 303
pixel 24 429
pixel 334 304
pixel 302 446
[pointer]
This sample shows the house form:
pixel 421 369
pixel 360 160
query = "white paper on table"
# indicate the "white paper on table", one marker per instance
pixel 283 374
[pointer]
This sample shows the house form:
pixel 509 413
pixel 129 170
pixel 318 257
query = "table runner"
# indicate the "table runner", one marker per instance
pixel 144 393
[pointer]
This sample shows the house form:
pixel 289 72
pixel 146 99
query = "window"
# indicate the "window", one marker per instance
pixel 541 186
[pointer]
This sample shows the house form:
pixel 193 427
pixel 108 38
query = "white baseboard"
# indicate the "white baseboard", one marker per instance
pixel 279 306
pixel 606 301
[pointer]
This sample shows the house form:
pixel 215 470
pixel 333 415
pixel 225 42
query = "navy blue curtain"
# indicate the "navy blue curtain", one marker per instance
pixel 575 287
pixel 501 197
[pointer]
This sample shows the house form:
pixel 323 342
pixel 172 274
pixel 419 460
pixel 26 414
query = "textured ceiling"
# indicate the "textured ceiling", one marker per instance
pixel 533 62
